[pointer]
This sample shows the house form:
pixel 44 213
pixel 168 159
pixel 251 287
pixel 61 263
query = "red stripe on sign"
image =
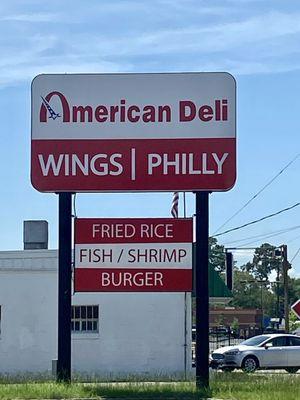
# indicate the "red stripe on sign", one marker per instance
pixel 132 280
pixel 133 230
pixel 133 165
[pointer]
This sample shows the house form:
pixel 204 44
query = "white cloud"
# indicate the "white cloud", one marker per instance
pixel 241 45
pixel 294 273
pixel 22 73
pixel 32 17
pixel 215 38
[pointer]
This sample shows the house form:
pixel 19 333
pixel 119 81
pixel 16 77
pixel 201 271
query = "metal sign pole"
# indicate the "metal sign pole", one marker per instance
pixel 64 287
pixel 202 291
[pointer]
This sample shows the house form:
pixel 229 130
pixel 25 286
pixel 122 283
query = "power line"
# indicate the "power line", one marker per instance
pixel 262 235
pixel 294 238
pixel 259 192
pixel 257 220
pixel 297 252
pixel 241 248
pixel 265 235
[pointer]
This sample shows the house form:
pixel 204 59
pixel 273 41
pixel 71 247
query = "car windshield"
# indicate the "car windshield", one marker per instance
pixel 255 340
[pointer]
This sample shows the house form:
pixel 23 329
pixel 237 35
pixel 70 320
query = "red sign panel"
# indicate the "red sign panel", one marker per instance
pixel 296 308
pixel 133 132
pixel 135 164
pixel 133 255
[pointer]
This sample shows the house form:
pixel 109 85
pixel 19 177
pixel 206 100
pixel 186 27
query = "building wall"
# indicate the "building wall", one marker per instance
pixel 138 332
pixel 246 317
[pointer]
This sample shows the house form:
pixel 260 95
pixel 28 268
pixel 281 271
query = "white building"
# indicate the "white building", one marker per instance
pixel 113 333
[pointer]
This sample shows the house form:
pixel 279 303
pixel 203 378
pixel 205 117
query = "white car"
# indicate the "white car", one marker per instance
pixel 274 351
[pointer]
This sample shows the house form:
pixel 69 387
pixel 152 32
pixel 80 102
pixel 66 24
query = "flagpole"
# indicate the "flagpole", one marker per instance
pixel 174 208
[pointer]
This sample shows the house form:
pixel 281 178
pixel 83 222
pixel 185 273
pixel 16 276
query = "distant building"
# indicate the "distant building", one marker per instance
pixel 248 320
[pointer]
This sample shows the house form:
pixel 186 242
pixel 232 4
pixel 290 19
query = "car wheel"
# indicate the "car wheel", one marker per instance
pixel 228 369
pixel 292 370
pixel 250 364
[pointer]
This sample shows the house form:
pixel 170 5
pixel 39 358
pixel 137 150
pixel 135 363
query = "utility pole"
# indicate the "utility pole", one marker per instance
pixel 261 307
pixel 285 268
pixel 277 292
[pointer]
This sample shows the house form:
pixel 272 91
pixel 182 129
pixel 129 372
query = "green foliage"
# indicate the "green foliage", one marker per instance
pixel 216 255
pixel 294 321
pixel 264 262
pixel 235 324
pixel 249 290
pixel 247 283
pixel 294 289
pixel 249 293
pixel 220 320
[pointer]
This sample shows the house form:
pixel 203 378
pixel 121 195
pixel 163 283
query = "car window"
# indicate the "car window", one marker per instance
pixel 255 340
pixel 279 341
pixel 294 341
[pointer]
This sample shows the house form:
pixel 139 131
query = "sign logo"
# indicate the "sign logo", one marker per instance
pixel 52 114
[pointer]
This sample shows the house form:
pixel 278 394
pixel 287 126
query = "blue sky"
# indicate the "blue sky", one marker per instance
pixel 255 40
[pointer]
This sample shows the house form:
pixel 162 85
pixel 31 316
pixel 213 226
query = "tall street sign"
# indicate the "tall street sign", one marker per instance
pixel 133 132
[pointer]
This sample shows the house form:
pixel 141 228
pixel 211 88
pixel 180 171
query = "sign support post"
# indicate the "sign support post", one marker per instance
pixel 202 290
pixel 64 287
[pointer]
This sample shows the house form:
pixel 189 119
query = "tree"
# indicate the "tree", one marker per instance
pixel 248 292
pixel 220 320
pixel 216 255
pixel 293 293
pixel 294 289
pixel 235 324
pixel 264 262
pixel 294 321
pixel 252 288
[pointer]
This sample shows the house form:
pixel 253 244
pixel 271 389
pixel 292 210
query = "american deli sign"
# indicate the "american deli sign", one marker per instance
pixel 133 255
pixel 133 132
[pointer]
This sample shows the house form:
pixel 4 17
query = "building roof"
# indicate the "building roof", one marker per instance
pixel 28 260
pixel 217 286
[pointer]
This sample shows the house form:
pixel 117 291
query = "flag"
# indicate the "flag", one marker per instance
pixel 174 209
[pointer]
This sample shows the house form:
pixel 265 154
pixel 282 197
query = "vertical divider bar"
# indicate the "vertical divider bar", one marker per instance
pixel 74 255
pixel 64 286
pixel 202 290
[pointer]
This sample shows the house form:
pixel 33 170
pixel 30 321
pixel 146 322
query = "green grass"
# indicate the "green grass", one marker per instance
pixel 260 386
pixel 141 390
pixel 237 386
